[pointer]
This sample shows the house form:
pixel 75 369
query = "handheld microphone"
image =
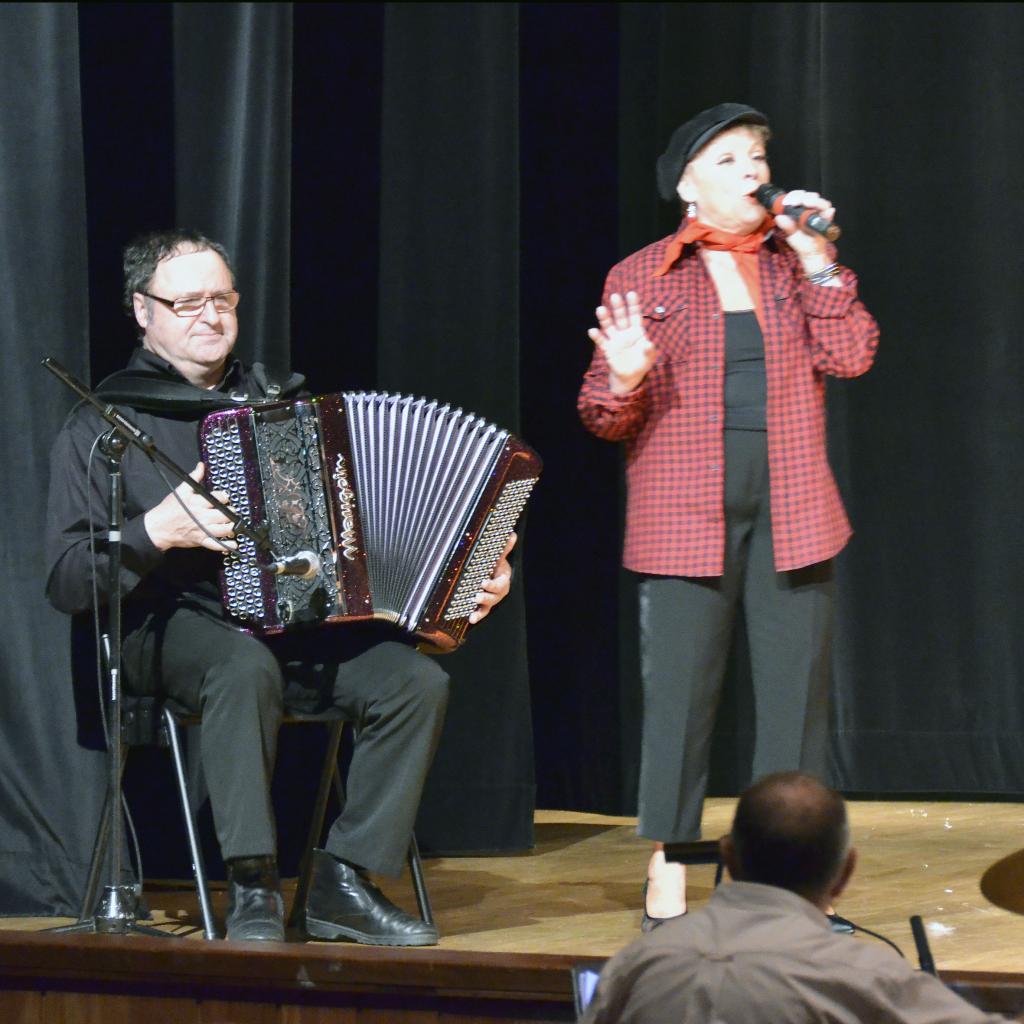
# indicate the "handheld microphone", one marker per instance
pixel 770 197
pixel 924 953
pixel 305 565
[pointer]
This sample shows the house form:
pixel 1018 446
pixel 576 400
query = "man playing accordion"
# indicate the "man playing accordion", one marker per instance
pixel 179 644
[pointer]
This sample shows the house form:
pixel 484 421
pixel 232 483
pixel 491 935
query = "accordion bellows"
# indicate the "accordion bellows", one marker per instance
pixel 408 504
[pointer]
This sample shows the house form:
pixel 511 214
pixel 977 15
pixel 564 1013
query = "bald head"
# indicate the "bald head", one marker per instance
pixel 790 831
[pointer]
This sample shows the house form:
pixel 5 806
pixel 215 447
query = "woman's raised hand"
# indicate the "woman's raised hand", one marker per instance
pixel 625 344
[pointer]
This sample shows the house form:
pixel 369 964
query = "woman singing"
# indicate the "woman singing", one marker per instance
pixel 709 362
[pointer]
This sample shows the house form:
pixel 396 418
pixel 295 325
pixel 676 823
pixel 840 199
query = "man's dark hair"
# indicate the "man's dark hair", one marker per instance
pixel 144 253
pixel 790 831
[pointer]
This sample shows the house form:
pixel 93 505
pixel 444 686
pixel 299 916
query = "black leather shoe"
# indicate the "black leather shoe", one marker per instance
pixel 344 904
pixel 255 907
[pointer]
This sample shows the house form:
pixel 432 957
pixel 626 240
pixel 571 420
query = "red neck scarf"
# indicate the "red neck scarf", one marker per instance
pixel 744 249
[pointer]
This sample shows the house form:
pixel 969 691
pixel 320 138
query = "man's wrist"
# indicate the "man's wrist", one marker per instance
pixel 149 521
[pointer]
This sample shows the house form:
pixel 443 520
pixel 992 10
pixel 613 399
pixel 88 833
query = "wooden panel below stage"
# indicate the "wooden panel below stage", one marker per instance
pixel 106 979
pixel 103 979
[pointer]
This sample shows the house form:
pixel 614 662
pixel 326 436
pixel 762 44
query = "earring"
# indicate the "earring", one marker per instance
pixel 691 211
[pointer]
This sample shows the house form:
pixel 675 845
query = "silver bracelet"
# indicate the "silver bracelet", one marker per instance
pixel 824 275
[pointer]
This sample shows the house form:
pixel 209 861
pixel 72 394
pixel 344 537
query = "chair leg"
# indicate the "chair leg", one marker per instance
pixel 339 788
pixel 328 773
pixel 198 868
pixel 419 882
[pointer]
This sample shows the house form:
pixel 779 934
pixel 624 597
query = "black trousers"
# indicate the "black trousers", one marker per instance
pixel 686 627
pixel 394 696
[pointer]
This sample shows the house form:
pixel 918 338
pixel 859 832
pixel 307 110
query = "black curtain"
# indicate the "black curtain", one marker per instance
pixel 50 788
pixel 232 135
pixel 582 645
pixel 426 198
pixel 928 677
pixel 449 329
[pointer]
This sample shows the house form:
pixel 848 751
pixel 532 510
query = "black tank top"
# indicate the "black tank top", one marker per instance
pixel 746 389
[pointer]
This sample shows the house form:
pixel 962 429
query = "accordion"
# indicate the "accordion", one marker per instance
pixel 407 503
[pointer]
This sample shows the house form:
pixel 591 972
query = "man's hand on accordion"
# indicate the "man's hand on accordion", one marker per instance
pixel 497 587
pixel 185 519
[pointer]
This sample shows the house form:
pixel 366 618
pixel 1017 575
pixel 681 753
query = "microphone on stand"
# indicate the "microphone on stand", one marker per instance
pixel 924 953
pixel 770 197
pixel 305 565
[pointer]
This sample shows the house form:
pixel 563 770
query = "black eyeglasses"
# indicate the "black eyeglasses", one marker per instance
pixel 193 305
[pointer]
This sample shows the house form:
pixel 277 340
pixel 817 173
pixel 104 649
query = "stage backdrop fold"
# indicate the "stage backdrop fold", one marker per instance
pixel 924 167
pixel 51 790
pixel 448 314
pixel 584 710
pixel 232 126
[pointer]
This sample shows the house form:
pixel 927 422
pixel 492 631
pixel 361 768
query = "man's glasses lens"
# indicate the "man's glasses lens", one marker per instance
pixel 223 303
pixel 193 305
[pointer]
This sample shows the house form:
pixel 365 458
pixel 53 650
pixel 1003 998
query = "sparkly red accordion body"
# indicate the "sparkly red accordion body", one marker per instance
pixel 407 503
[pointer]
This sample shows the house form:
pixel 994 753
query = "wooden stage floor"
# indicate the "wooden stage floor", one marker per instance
pixel 576 895
pixel 578 891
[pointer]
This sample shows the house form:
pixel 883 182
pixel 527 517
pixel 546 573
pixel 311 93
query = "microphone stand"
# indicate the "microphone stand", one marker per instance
pixel 924 953
pixel 116 913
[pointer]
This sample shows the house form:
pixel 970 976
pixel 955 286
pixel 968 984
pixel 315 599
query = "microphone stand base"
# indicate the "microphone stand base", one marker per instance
pixel 114 916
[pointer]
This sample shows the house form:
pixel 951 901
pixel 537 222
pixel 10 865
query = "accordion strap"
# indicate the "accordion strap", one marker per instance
pixel 151 390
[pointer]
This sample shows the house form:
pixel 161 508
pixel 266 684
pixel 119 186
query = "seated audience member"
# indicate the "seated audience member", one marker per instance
pixel 762 949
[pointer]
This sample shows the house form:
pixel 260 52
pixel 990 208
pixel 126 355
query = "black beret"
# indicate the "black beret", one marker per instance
pixel 688 139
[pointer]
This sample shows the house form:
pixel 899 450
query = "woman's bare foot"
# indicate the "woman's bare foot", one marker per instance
pixel 666 886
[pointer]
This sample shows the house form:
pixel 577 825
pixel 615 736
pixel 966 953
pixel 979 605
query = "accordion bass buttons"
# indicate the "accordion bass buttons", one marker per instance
pixel 492 540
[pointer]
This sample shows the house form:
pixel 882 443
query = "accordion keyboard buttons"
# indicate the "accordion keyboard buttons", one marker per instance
pixel 243 581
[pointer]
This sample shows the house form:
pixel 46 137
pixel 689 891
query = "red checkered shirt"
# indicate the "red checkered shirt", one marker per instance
pixel 672 422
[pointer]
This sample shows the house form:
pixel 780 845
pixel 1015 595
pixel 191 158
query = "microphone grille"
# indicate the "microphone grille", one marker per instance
pixel 767 195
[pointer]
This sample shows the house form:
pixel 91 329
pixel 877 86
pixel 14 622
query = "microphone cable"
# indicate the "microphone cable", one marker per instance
pixel 877 935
